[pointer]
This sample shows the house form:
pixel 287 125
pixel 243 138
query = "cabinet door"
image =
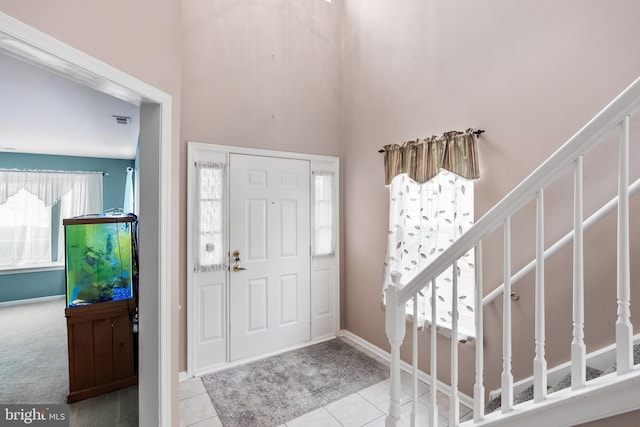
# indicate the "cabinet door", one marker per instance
pixel 122 348
pixel 81 366
pixel 102 356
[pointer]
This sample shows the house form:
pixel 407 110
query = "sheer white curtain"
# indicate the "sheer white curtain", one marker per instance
pixel 424 219
pixel 25 230
pixel 209 250
pixel 85 197
pixel 26 198
pixel 323 228
pixel 48 186
pixel 127 205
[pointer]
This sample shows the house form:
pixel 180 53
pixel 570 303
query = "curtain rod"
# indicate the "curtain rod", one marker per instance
pixel 52 171
pixel 475 132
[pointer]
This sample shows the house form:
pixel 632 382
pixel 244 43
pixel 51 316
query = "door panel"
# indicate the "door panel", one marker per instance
pixel 269 227
pixel 212 311
pixel 257 230
pixel 288 297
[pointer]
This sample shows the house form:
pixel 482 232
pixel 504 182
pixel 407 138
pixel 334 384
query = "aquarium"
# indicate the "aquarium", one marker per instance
pixel 100 259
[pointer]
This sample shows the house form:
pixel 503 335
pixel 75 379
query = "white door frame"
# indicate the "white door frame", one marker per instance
pixel 193 149
pixel 155 375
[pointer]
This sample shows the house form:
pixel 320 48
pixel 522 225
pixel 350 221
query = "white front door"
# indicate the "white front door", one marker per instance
pixel 269 286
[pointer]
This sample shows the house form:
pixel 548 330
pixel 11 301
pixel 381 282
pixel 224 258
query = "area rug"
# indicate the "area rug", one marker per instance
pixel 269 392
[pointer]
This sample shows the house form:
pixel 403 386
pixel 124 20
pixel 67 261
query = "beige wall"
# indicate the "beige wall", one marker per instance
pixel 140 38
pixel 259 74
pixel 270 75
pixel 530 74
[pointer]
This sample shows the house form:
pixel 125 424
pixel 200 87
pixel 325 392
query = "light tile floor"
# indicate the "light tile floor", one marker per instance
pixel 367 407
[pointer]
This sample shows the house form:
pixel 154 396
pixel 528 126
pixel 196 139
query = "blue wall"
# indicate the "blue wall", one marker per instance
pixel 40 284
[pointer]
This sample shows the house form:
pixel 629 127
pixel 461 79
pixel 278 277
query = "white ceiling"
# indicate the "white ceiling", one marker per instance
pixel 42 112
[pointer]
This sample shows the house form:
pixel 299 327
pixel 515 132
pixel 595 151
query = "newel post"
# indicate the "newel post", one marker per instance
pixel 395 328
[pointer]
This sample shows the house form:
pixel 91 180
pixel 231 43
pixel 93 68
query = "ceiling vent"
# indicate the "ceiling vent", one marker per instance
pixel 122 120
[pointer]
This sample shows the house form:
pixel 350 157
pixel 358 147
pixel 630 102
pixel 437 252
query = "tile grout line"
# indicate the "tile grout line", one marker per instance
pixel 333 416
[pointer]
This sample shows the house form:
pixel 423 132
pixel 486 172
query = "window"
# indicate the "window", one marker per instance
pixel 424 219
pixel 32 206
pixel 323 207
pixel 25 230
pixel 210 205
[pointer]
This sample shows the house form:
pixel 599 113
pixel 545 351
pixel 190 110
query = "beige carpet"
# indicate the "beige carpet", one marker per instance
pixel 33 353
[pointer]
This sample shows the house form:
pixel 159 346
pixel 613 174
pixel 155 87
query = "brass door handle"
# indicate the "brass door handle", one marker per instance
pixel 237 268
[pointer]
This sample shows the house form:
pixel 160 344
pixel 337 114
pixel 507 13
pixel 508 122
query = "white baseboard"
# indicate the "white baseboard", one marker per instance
pixel 31 300
pixel 424 377
pixel 182 376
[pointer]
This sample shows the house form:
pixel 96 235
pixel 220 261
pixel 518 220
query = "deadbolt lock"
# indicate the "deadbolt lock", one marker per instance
pixel 236 259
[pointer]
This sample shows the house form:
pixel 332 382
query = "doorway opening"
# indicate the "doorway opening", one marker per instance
pixel 32 46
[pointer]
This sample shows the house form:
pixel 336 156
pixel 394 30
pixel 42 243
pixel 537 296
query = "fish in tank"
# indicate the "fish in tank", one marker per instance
pixel 100 259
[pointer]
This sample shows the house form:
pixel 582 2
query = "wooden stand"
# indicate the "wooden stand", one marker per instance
pixel 101 349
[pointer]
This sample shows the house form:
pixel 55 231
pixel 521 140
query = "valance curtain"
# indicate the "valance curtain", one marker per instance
pixel 431 205
pixel 423 159
pixel 209 251
pixel 48 186
pixel 26 198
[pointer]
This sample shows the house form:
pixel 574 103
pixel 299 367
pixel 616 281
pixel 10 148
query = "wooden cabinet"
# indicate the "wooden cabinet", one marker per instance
pixel 101 349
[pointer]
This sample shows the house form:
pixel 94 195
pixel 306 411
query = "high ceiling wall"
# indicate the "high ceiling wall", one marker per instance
pixel 531 74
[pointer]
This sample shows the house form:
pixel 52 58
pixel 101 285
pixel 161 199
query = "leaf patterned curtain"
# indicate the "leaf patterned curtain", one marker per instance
pixel 423 159
pixel 424 219
pixel 431 205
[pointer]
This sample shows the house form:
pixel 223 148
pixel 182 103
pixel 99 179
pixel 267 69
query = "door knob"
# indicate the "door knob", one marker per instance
pixel 236 259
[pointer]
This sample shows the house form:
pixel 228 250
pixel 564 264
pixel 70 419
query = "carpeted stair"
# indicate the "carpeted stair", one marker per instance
pixel 565 382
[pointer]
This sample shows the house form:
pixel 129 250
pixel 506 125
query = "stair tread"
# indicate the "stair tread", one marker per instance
pixel 527 394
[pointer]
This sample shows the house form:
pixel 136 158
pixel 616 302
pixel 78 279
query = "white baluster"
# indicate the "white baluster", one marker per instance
pixel 395 328
pixel 624 330
pixel 507 376
pixel 414 411
pixel 578 349
pixel 454 399
pixel 433 404
pixel 540 363
pixel 478 388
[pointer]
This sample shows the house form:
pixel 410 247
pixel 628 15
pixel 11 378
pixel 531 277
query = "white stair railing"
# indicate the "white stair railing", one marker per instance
pixel 539 363
pixel 624 330
pixel 596 217
pixel 615 115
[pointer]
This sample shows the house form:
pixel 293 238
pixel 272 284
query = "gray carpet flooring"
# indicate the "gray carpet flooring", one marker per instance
pixel 33 353
pixel 527 394
pixel 269 392
pixel 34 368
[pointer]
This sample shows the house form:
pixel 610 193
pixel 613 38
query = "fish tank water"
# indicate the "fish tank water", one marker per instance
pixel 100 259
